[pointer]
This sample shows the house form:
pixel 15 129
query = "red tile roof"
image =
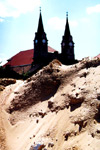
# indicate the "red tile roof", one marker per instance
pixel 24 57
pixel 98 56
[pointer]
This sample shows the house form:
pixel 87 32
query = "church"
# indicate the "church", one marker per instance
pixel 42 54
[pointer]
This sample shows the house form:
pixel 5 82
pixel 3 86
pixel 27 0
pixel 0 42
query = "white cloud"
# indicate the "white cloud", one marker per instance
pixel 1 20
pixel 85 20
pixel 93 9
pixel 59 24
pixel 13 8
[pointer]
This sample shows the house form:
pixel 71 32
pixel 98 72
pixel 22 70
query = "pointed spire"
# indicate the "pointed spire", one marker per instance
pixel 67 29
pixel 40 24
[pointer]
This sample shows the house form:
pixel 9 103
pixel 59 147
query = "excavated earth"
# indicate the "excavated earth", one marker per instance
pixel 58 108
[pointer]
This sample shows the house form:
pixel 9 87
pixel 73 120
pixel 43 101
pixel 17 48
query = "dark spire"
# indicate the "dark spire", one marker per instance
pixel 40 24
pixel 67 29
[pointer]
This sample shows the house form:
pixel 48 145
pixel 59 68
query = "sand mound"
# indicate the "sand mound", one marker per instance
pixel 56 109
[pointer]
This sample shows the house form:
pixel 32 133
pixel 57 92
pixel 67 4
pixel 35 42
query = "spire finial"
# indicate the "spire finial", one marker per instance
pixel 67 14
pixel 40 9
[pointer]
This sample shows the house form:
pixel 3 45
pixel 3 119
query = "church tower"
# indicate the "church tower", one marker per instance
pixel 67 45
pixel 40 43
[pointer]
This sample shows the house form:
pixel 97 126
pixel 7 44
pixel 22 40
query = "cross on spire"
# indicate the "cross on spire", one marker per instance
pixel 67 14
pixel 40 9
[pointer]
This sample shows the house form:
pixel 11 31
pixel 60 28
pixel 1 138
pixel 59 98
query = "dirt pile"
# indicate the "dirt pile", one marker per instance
pixel 56 109
pixel 5 82
pixel 39 87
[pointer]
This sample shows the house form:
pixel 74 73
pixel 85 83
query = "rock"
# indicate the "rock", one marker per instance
pixel 37 121
pixel 54 63
pixel 7 81
pixel 2 87
pixel 75 98
pixel 50 104
pixel 41 113
pixel 68 134
pixel 50 144
pixel 32 147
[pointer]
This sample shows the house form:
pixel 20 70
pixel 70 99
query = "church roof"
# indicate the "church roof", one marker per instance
pixel 24 57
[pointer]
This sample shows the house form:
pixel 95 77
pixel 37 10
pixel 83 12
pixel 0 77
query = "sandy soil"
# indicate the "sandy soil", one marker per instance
pixel 58 109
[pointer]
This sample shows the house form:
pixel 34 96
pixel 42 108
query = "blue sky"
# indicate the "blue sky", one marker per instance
pixel 19 21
